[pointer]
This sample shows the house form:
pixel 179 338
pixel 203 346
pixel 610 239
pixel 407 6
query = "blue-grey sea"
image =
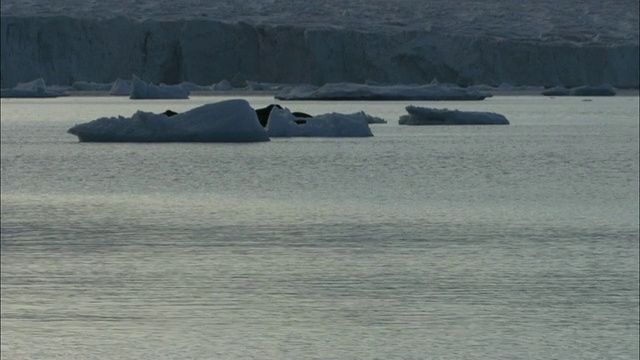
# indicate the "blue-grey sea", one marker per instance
pixel 422 242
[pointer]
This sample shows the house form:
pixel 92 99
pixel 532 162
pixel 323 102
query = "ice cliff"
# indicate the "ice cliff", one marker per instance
pixel 539 42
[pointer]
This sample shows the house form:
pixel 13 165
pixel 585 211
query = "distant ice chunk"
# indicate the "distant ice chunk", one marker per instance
pixel 374 119
pixel 142 90
pixel 557 91
pixel 190 86
pixel 91 86
pixel 263 86
pixel 223 85
pixel 120 88
pixel 350 91
pixel 430 116
pixel 602 90
pixel 225 121
pixel 32 89
pixel 282 123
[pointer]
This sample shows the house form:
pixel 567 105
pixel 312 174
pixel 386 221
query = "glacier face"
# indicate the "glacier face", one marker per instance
pixel 204 45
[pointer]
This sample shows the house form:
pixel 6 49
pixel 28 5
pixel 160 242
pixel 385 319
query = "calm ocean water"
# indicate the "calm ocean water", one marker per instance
pixel 474 242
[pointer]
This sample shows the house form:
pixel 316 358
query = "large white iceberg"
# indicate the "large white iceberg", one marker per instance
pixel 142 90
pixel 429 116
pixel 32 89
pixel 282 123
pixel 225 121
pixel 350 91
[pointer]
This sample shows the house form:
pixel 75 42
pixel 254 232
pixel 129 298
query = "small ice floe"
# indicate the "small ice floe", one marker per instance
pixel 32 89
pixel 225 121
pixel 349 91
pixel 429 116
pixel 142 90
pixel 602 90
pixel 282 123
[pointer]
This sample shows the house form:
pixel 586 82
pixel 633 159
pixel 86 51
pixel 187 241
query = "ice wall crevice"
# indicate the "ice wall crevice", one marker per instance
pixel 63 50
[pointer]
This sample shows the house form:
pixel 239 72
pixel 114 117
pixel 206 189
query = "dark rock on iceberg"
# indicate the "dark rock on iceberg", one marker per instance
pixel 263 114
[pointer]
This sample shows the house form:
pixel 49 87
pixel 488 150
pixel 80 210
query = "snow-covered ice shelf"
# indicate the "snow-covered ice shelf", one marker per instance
pixel 524 43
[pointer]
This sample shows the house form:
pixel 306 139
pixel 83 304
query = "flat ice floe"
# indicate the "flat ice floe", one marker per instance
pixel 282 123
pixel 429 116
pixel 602 90
pixel 225 121
pixel 350 91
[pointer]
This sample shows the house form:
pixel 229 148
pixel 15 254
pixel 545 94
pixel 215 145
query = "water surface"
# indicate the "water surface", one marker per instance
pixel 516 241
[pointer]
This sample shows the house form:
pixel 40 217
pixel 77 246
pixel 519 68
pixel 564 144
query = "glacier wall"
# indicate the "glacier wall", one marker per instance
pixel 63 50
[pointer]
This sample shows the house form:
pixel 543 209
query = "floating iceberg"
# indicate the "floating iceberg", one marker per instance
pixel 282 123
pixel 142 90
pixel 429 116
pixel 602 90
pixel 349 91
pixel 32 89
pixel 225 121
pixel 120 88
pixel 264 113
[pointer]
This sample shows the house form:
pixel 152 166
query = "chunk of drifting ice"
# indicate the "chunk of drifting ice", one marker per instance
pixel 349 91
pixel 223 85
pixel 374 119
pixel 429 116
pixel 120 88
pixel 282 123
pixel 91 86
pixel 225 121
pixel 602 90
pixel 32 89
pixel 190 86
pixel 142 90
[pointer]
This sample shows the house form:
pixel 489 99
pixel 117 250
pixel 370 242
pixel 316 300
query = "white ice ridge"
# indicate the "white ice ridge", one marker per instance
pixel 282 123
pixel 225 121
pixel 524 43
pixel 430 116
pixel 346 91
